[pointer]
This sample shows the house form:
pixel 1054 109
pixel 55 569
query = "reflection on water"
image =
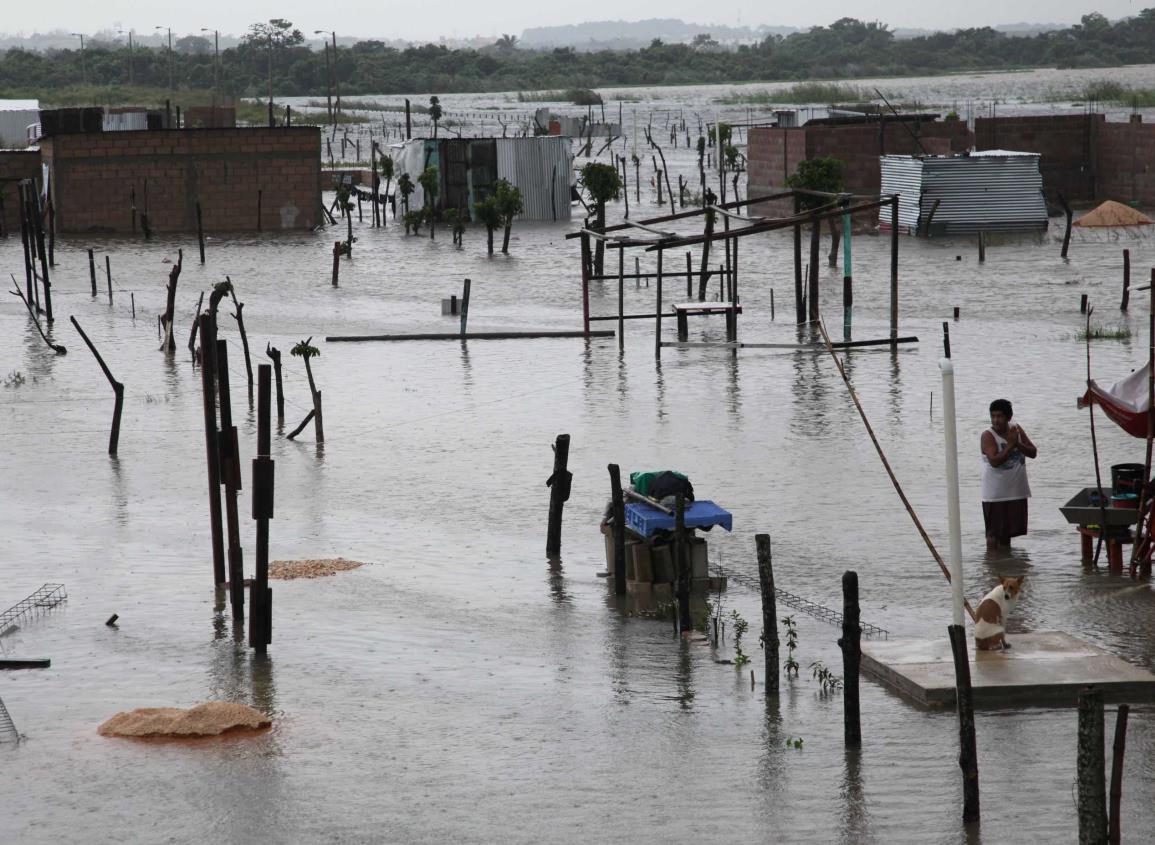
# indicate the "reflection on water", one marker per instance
pixel 855 826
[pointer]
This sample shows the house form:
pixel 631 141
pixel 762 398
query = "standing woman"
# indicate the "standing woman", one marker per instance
pixel 1005 449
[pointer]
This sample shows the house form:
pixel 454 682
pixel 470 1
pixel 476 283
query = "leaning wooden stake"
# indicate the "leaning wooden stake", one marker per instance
pixel 192 338
pixel 1067 233
pixel 117 388
pixel 200 233
pixel 169 316
pixel 231 477
pixel 1091 776
pixel 769 612
pixel 968 759
pixel 1114 825
pixel 108 276
pixel 239 316
pixel 1095 448
pixel 851 645
pixel 275 355
pixel 260 596
pixel 1126 280
pixel 92 271
pixel 55 347
pixel 208 335
pixel 559 483
pixel 619 527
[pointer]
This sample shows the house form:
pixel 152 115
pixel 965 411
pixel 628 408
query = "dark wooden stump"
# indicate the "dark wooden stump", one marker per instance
pixel 851 645
pixel 968 759
pixel 1114 826
pixel 619 518
pixel 208 335
pixel 559 483
pixel 117 389
pixel 769 612
pixel 1091 776
pixel 682 564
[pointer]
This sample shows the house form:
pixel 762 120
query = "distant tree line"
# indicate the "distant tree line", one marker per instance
pixel 844 49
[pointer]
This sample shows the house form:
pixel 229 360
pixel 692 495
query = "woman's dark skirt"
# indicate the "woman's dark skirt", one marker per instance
pixel 1005 519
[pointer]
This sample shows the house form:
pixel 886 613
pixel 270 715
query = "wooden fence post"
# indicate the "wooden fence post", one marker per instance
pixel 968 754
pixel 260 597
pixel 1126 280
pixel 117 389
pixel 231 477
pixel 769 612
pixel 275 355
pixel 851 645
pixel 208 333
pixel 619 517
pixel 200 232
pixel 559 483
pixel 92 271
pixel 682 563
pixel 1114 825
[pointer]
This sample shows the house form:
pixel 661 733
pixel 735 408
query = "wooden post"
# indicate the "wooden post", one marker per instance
pixel 200 232
pixel 585 245
pixel 799 293
pixel 559 484
pixel 44 276
pixel 658 310
pixel 705 274
pixel 336 261
pixel 894 268
pixel 815 244
pixel 108 275
pixel 192 338
pixel 260 198
pixel 982 247
pixel 26 243
pixel 168 319
pixel 1067 233
pixel 771 304
pixel 847 276
pixel 769 612
pixel 231 477
pixel 1126 280
pixel 408 121
pixel 464 307
pixel 851 645
pixel 622 298
pixel 92 271
pixel 1083 304
pixel 50 213
pixel 619 526
pixel 117 389
pixel 968 755
pixel 1114 825
pixel 682 564
pixel 689 276
pixel 1091 777
pixel 208 333
pixel 275 355
pixel 239 316
pixel 260 598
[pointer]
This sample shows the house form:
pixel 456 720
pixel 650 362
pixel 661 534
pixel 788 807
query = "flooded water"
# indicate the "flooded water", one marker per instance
pixel 461 687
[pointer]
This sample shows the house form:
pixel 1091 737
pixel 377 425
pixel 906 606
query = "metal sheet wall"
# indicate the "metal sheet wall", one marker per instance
pixel 14 125
pixel 902 175
pixel 985 193
pixel 541 167
pixel 126 121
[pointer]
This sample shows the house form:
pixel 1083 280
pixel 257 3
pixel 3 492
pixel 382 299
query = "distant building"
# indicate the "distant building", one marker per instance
pixel 16 118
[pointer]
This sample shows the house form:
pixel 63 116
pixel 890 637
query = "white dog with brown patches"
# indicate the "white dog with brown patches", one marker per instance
pixel 990 619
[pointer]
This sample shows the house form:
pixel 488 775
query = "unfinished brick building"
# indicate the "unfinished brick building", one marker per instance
pixel 250 179
pixel 15 165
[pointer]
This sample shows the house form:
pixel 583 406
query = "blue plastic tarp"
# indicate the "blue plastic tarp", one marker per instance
pixel 645 519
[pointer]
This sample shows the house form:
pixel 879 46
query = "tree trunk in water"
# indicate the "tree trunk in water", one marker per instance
pixel 600 249
pixel 489 233
pixel 505 239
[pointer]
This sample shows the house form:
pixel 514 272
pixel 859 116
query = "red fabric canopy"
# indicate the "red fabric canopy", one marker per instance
pixel 1125 402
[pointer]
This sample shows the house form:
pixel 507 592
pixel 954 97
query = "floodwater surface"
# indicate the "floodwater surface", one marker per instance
pixel 461 687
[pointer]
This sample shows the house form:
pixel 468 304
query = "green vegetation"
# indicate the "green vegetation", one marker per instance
pixel 509 205
pixel 487 213
pixel 790 666
pixel 1104 333
pixel 741 626
pixel 817 174
pixel 821 673
pixel 576 96
pixel 803 92
pixel 847 48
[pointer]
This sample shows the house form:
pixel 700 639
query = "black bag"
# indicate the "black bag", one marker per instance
pixel 671 484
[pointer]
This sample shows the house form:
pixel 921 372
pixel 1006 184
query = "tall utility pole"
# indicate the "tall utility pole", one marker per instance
pixel 171 89
pixel 336 80
pixel 216 65
pixel 328 75
pixel 83 69
pixel 121 32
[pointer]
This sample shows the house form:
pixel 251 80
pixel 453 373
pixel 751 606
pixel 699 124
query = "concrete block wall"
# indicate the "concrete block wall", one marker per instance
pixel 15 165
pixel 233 172
pixel 1067 145
pixel 1126 162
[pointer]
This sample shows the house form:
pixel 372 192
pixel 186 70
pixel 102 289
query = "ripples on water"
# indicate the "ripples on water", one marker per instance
pixel 460 687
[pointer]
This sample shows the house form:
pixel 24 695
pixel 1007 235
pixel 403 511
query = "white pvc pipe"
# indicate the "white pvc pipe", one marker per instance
pixel 952 490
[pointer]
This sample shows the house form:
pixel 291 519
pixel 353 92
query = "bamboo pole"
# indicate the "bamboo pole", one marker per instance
pixel 886 464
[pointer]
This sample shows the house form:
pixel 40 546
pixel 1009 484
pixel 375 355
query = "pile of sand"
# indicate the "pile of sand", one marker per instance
pixel 210 719
pixel 287 570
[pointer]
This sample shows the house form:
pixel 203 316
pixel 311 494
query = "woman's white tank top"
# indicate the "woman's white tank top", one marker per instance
pixel 1008 481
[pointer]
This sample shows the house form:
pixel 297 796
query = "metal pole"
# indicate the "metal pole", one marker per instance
pixel 952 485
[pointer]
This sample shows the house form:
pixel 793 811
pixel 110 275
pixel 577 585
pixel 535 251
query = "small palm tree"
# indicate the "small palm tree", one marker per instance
pixel 386 165
pixel 346 205
pixel 428 182
pixel 509 205
pixel 488 213
pixel 306 350
pixel 435 112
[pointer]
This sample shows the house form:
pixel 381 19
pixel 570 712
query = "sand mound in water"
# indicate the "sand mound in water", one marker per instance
pixel 210 719
pixel 288 570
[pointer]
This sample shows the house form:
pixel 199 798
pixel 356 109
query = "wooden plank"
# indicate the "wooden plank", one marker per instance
pixel 805 347
pixel 25 663
pixel 695 212
pixel 458 336
pixel 653 231
pixel 740 217
pixel 707 308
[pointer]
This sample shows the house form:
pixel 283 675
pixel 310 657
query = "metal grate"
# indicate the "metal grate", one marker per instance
pixel 7 728
pixel 46 598
pixel 818 611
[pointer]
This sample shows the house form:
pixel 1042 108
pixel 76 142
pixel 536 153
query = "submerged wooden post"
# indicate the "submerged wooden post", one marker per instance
pixel 682 564
pixel 689 276
pixel 1126 280
pixel 1114 824
pixel 968 754
pixel 847 275
pixel 851 645
pixel 982 247
pixel 559 484
pixel 704 277
pixel 1083 304
pixel 799 293
pixel 1091 776
pixel 200 232
pixel 769 612
pixel 658 310
pixel 192 338
pixel 815 249
pixel 1067 233
pixel 260 597
pixel 894 268
pixel 231 477
pixel 465 307
pixel 622 298
pixel 92 271
pixel 208 333
pixel 117 389
pixel 336 262
pixel 619 524
pixel 275 355
pixel 108 275
pixel 585 245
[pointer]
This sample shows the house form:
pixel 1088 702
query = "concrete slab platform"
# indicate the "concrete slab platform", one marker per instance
pixel 1044 668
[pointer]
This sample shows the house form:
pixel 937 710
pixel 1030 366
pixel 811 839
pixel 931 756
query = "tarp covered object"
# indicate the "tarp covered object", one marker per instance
pixel 1125 402
pixel 1112 214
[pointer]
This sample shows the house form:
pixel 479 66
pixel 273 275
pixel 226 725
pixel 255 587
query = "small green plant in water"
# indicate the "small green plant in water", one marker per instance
pixel 1104 333
pixel 14 379
pixel 790 666
pixel 794 742
pixel 741 626
pixel 821 672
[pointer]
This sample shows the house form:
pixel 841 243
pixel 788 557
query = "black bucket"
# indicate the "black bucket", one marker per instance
pixel 1126 478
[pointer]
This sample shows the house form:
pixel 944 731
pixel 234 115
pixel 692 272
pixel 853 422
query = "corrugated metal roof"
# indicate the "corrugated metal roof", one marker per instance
pixel 540 167
pixel 19 105
pixel 1000 192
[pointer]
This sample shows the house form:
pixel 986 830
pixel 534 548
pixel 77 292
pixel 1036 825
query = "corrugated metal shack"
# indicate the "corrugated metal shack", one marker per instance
pixel 468 167
pixel 15 118
pixel 991 191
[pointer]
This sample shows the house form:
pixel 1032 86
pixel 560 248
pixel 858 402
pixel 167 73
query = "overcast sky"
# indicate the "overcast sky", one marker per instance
pixel 455 18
